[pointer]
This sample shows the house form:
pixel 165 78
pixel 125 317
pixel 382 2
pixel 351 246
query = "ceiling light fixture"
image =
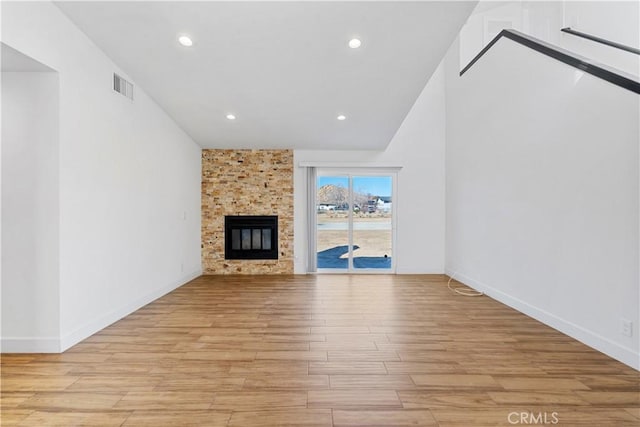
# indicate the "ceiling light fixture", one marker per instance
pixel 185 41
pixel 355 43
pixel 231 117
pixel 341 117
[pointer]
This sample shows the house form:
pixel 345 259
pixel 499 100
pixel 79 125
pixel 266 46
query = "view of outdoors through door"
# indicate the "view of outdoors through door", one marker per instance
pixel 333 222
pixel 372 221
pixel 354 222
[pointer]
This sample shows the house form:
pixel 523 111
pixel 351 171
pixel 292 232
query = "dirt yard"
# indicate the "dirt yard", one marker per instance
pixel 372 243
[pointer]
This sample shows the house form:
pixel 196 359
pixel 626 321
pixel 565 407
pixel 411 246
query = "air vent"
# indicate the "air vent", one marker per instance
pixel 122 86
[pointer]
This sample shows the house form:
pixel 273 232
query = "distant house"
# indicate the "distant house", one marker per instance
pixel 383 204
pixel 379 204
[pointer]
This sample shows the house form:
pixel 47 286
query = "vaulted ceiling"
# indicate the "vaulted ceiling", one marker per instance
pixel 283 69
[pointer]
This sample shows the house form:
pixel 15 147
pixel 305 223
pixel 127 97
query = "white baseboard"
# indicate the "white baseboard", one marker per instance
pixel 423 270
pixel 103 321
pixel 58 345
pixel 30 345
pixel 585 336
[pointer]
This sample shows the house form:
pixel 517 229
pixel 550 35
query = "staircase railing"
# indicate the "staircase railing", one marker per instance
pixel 621 46
pixel 616 77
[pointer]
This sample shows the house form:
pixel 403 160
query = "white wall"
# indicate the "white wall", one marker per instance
pixel 129 180
pixel 543 193
pixel 418 147
pixel 30 220
pixel 479 29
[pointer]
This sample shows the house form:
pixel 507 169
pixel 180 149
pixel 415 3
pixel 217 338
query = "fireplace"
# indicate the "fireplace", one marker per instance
pixel 250 237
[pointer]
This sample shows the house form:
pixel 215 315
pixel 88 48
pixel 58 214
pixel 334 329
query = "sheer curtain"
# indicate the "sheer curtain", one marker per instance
pixel 312 261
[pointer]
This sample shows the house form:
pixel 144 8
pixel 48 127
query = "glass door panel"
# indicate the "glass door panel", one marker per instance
pixel 372 222
pixel 332 216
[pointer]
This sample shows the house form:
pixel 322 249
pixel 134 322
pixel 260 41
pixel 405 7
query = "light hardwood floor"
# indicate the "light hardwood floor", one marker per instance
pixel 320 351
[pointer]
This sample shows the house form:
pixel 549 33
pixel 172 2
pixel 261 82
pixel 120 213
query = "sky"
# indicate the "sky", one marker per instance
pixel 376 185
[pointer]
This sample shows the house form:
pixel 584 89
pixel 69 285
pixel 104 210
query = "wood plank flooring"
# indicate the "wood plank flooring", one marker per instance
pixel 320 351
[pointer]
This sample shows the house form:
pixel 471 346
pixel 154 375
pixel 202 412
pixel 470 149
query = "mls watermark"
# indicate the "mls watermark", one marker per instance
pixel 532 418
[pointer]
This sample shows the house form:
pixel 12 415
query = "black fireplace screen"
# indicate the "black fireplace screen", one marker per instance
pixel 251 237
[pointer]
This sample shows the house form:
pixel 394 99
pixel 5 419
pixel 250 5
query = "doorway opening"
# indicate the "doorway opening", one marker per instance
pixel 354 222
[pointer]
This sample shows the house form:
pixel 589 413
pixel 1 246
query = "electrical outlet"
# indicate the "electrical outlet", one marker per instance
pixel 626 327
pixel 182 267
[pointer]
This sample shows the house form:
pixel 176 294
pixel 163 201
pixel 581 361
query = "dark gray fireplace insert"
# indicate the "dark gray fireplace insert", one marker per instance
pixel 250 237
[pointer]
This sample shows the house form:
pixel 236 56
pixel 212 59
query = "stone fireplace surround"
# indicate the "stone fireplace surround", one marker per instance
pixel 246 182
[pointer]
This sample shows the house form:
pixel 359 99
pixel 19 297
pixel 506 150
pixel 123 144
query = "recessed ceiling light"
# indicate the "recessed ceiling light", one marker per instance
pixel 185 41
pixel 231 117
pixel 355 43
pixel 341 117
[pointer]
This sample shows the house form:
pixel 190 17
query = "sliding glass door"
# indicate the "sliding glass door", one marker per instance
pixel 354 222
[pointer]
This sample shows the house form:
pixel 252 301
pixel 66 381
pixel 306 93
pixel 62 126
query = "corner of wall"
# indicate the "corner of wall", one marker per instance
pixel 97 324
pixel 624 354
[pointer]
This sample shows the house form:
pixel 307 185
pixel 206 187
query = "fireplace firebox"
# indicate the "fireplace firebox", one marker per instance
pixel 250 237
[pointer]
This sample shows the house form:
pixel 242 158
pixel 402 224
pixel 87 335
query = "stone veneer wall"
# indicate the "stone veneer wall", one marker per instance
pixel 246 182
